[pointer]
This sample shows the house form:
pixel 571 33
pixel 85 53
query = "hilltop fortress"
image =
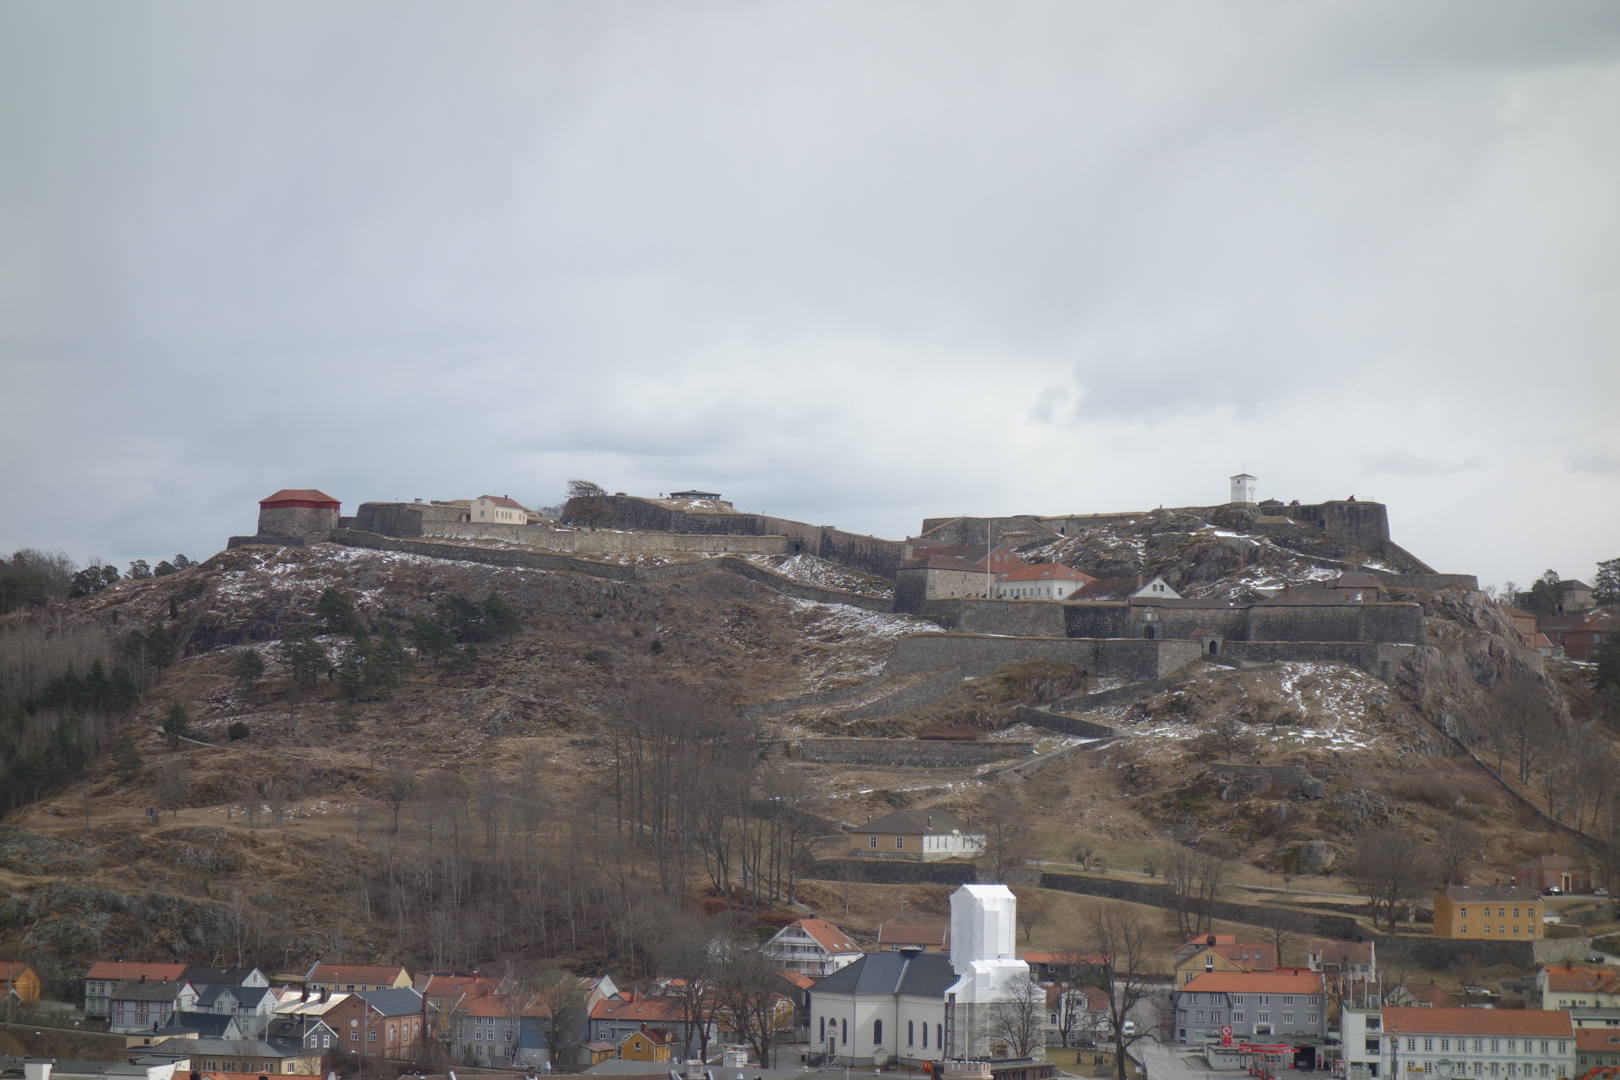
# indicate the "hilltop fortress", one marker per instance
pixel 1359 609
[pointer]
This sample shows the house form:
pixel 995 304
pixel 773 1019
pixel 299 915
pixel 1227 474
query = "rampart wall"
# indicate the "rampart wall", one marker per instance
pixel 310 522
pixel 1383 661
pixel 1398 622
pixel 869 554
pixel 1429 581
pixel 922 692
pixel 1064 725
pixel 612 571
pixel 980 655
pixel 908 753
pixel 1019 618
pixel 1015 531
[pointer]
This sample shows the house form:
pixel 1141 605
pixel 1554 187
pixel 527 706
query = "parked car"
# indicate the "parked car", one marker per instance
pixel 1553 891
pixel 1128 1028
pixel 1597 958
pixel 1600 892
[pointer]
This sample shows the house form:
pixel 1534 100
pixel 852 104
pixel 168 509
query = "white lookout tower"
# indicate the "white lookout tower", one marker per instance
pixel 1243 489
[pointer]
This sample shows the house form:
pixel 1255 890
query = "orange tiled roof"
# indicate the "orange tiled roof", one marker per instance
pixel 911 934
pixel 120 969
pixel 1597 1039
pixel 797 978
pixel 662 1009
pixel 299 495
pixel 826 935
pixel 1046 572
pixel 1575 979
pixel 12 969
pixel 354 973
pixel 1254 982
pixel 1477 1021
pixel 502 500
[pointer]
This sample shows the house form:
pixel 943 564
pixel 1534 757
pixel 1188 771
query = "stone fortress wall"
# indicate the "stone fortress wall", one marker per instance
pixel 868 554
pixel 435 520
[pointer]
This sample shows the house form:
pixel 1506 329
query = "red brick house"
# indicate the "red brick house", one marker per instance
pixel 1581 641
pixel 1553 871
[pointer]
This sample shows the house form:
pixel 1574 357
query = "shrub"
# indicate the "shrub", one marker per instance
pixel 238 731
pixel 599 656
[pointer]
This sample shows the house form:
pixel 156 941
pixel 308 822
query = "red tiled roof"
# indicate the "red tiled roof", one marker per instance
pixel 797 978
pixel 1477 1021
pixel 1574 979
pixel 1597 1039
pixel 665 1009
pixel 1046 572
pixel 354 973
pixel 502 500
pixel 911 934
pixel 298 495
pixel 826 935
pixel 12 969
pixel 1254 982
pixel 119 969
pixel 1343 952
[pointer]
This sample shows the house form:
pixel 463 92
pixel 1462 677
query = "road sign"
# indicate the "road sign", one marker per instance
pixel 1226 1036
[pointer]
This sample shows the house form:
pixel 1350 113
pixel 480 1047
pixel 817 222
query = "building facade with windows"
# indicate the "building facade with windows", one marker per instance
pixel 1488 913
pixel 811 947
pixel 923 835
pixel 1253 1005
pixel 1505 1044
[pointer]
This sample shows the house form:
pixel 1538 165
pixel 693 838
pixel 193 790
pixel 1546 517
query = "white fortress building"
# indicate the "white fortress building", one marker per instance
pixel 1244 489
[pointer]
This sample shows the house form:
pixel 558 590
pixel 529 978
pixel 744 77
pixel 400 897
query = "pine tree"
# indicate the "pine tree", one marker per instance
pixel 500 618
pixel 335 608
pixel 176 725
pixel 160 648
pixel 1606 585
pixel 247 669
pixel 126 756
pixel 430 638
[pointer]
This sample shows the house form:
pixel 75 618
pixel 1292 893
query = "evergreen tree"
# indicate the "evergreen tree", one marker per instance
pixel 305 658
pixel 96 686
pixel 1606 672
pixel 1544 596
pixel 19 587
pixel 164 569
pixel 160 648
pixel 174 608
pixel 500 618
pixel 122 690
pixel 430 638
pixel 335 608
pixel 176 725
pixel 126 756
pixel 183 563
pixel 247 669
pixel 1606 585
pixel 345 718
pixel 461 616
pixel 139 570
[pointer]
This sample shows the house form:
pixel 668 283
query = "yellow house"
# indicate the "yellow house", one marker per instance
pixel 647 1044
pixel 1223 953
pixel 1488 913
pixel 18 979
pixel 599 1050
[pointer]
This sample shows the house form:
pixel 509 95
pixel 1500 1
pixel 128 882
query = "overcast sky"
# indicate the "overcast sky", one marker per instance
pixel 854 264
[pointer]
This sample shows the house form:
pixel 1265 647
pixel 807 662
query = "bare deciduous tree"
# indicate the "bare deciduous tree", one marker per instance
pixel 1392 869
pixel 1004 819
pixel 1119 947
pixel 1017 1019
pixel 1457 849
pixel 1196 875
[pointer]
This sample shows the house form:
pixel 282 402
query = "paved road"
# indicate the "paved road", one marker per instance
pixel 1172 1063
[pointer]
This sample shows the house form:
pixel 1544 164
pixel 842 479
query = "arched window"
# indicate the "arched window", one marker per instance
pixel 823 1036
pixel 939 1036
pixel 877 1033
pixel 843 1031
pixel 911 1033
pixel 925 1035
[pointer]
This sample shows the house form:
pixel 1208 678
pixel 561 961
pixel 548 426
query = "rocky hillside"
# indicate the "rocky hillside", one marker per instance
pixel 295 821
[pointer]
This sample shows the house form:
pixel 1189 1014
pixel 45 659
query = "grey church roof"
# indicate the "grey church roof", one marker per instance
pixel 917 974
pixel 401 1001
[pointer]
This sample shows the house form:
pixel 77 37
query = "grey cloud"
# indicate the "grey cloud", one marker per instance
pixel 1401 463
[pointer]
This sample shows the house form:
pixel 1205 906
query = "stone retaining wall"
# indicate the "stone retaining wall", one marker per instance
pixel 1018 618
pixel 908 753
pixel 612 571
pixel 980 655
pixel 918 694
pixel 1382 661
pixel 1064 725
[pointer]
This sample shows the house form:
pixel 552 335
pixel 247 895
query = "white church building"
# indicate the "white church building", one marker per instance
pixel 913 1006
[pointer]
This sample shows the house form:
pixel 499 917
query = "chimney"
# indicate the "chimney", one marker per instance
pixel 325 990
pixel 37 1070
pixel 143 976
pixel 303 994
pixel 1140 581
pixel 1210 940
